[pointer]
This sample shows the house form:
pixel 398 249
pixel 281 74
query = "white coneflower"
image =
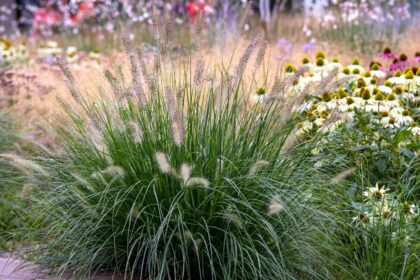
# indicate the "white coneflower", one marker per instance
pixel 185 172
pixel 136 132
pixel 343 175
pixel 163 163
pixel 198 181
pixel 275 206
pixel 257 166
pixel 375 193
pixel 25 165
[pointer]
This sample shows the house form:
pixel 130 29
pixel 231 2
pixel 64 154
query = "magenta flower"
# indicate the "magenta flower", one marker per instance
pixel 389 55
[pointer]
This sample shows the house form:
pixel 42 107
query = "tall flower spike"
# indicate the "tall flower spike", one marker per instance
pixel 243 61
pixel 260 56
pixel 175 114
pixel 199 71
pixel 325 82
pixel 135 73
pixel 113 82
pixel 71 81
pixel 146 75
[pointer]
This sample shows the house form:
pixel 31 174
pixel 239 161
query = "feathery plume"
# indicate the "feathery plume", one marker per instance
pixel 177 126
pixel 235 219
pixel 343 175
pixel 185 172
pixel 326 81
pixel 198 181
pixel 71 81
pixel 113 82
pixel 25 165
pixel 136 132
pixel 169 27
pixel 177 130
pixel 85 183
pixel 243 61
pixel 334 86
pixel 163 163
pixel 260 56
pixel 289 143
pixel 136 77
pixel 114 170
pixel 275 206
pixel 257 166
pixel 147 77
pixel 199 71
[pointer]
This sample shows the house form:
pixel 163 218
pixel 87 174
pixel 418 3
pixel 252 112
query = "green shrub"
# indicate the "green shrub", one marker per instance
pixel 182 179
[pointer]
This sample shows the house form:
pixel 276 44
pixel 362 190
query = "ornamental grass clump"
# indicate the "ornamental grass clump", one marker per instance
pixel 166 178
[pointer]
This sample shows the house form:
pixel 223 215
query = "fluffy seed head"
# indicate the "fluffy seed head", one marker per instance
pixel 257 166
pixel 185 172
pixel 136 132
pixel 163 163
pixel 275 206
pixel 198 181
pixel 343 175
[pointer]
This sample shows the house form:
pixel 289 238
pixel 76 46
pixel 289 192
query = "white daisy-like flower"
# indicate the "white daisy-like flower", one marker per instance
pixel 392 103
pixel 389 122
pixel 415 131
pixel 319 121
pixel 378 73
pixel 375 193
pixel 322 106
pixel 306 126
pixel 362 218
pixel 396 112
pixel 404 120
pixel 352 67
pixel 398 80
pixel 333 65
pixel 257 98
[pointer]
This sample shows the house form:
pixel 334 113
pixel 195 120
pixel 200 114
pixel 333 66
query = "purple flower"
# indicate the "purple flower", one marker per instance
pixel 309 46
pixel 389 55
pixel 285 45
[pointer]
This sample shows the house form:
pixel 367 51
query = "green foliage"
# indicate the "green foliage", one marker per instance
pixel 11 203
pixel 184 181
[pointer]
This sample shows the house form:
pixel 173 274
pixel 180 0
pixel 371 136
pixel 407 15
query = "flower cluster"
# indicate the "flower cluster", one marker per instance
pixel 398 62
pixel 10 54
pixel 50 16
pixel 384 209
pixel 48 52
pixel 390 101
pixel 378 11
